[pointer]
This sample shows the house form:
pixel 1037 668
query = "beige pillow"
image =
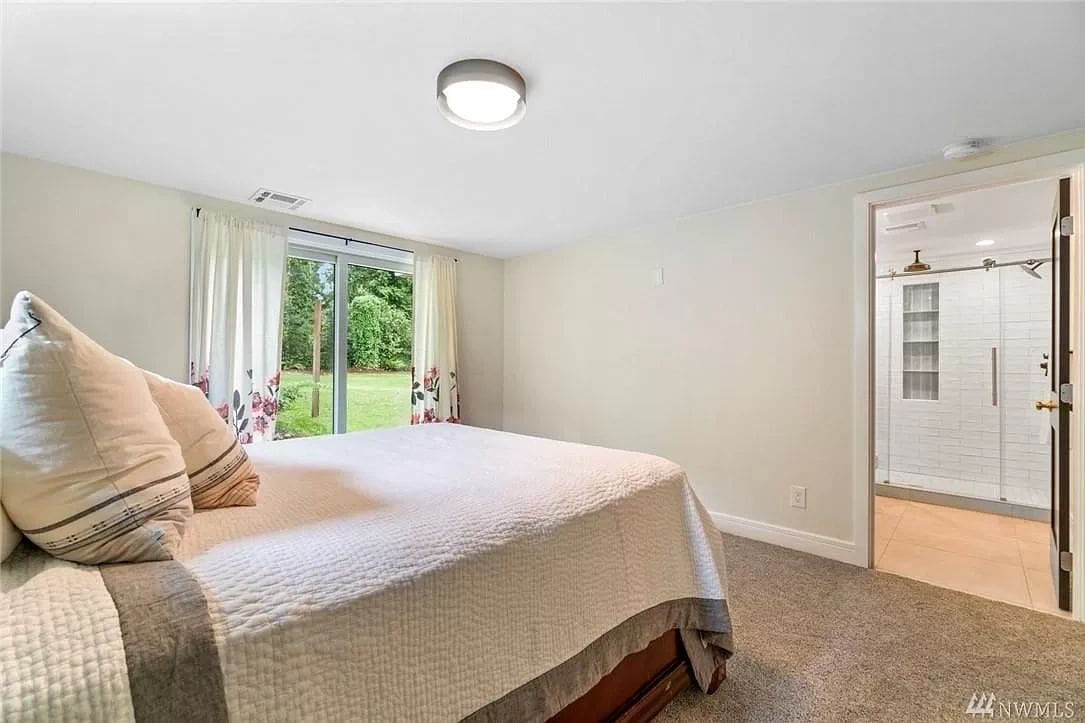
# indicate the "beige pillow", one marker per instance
pixel 219 472
pixel 9 535
pixel 91 473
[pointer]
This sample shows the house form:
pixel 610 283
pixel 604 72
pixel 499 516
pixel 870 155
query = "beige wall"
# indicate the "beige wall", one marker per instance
pixel 112 255
pixel 739 367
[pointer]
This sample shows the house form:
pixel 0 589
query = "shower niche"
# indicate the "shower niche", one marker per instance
pixel 959 365
pixel 919 340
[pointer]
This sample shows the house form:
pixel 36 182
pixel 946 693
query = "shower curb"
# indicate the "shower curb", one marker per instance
pixel 995 507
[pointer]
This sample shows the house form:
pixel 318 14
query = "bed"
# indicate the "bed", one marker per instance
pixel 429 573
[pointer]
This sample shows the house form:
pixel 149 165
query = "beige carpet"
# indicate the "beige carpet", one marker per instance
pixel 821 640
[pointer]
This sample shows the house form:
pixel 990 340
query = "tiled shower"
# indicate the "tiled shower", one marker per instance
pixel 959 367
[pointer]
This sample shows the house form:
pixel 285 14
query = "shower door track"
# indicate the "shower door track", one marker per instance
pixel 997 264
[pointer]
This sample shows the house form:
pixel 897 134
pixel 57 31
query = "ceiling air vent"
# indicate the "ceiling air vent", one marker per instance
pixel 901 227
pixel 277 199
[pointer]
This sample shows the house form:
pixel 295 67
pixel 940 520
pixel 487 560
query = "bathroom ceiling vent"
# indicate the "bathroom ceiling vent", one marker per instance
pixel 902 227
pixel 906 217
pixel 278 199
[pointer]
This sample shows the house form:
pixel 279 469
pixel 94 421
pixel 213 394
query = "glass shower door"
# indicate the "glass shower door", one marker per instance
pixel 885 290
pixel 941 388
pixel 1026 346
pixel 976 368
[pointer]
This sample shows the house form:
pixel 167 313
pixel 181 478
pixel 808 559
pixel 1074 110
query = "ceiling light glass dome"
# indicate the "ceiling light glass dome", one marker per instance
pixel 483 95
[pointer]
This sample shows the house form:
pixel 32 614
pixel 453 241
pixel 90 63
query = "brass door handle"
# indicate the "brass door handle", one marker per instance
pixel 1042 404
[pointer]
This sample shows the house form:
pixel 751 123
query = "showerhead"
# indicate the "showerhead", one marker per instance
pixel 1030 266
pixel 917 265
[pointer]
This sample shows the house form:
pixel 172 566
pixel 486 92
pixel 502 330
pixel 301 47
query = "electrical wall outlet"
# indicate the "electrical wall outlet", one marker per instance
pixel 798 497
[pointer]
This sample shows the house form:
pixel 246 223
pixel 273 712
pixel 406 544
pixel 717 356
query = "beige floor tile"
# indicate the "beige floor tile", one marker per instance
pixel 973 575
pixel 1035 556
pixel 888 515
pixel 1032 531
pixel 996 557
pixel 1042 591
pixel 884 525
pixel 889 505
pixel 920 531
pixel 964 522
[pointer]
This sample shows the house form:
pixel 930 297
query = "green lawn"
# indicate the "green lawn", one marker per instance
pixel 374 400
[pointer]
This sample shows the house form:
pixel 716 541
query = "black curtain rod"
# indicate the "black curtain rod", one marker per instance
pixel 355 241
pixel 349 240
pixel 345 238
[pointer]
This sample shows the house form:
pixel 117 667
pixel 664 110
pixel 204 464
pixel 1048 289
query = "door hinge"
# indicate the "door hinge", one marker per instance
pixel 1066 226
pixel 1066 393
pixel 1066 561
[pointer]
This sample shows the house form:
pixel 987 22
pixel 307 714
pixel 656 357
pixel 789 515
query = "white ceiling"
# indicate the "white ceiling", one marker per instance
pixel 1017 218
pixel 637 113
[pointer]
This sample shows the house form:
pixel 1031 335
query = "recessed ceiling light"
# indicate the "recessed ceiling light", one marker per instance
pixel 483 95
pixel 986 242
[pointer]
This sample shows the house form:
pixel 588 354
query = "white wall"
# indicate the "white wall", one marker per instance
pixel 112 255
pixel 740 367
pixel 963 443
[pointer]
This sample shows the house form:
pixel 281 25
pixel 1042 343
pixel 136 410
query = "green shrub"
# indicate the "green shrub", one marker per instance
pixel 379 323
pixel 379 335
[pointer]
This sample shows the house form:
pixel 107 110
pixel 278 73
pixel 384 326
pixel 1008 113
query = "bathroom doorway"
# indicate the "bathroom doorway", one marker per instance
pixel 969 358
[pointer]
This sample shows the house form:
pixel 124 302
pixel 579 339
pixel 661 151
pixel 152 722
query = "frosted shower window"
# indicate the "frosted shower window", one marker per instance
pixel 920 318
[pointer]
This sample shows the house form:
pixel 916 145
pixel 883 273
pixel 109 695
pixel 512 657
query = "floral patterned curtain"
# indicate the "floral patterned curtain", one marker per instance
pixel 435 396
pixel 235 320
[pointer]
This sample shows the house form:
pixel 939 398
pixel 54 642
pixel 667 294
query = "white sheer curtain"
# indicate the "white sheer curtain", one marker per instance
pixel 434 394
pixel 235 324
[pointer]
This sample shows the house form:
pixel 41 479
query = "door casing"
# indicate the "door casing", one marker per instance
pixel 1072 164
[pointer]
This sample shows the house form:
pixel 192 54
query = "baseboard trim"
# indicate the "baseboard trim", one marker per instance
pixel 831 547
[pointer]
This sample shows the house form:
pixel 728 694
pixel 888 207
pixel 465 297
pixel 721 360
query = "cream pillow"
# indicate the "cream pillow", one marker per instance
pixel 219 471
pixel 91 473
pixel 9 535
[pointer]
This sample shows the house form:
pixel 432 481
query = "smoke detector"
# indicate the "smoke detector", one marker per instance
pixel 965 149
pixel 278 199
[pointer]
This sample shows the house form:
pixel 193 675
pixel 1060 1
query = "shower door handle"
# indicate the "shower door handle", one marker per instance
pixel 994 376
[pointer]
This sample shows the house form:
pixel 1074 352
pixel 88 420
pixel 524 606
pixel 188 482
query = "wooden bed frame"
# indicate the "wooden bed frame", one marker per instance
pixel 640 687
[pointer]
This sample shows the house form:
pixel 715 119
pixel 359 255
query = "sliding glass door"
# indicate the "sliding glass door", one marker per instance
pixel 378 349
pixel 307 387
pixel 346 348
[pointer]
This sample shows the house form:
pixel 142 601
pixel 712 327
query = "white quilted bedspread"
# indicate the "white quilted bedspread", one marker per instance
pixel 408 574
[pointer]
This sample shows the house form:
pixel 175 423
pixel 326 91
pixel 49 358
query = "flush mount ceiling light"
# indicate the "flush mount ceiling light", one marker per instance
pixel 986 242
pixel 483 95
